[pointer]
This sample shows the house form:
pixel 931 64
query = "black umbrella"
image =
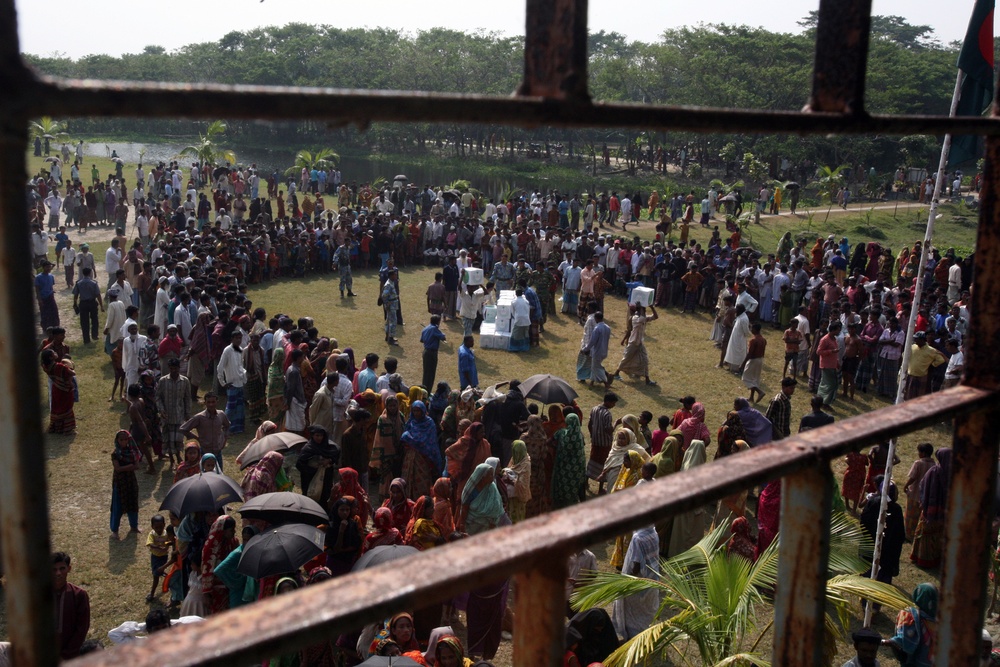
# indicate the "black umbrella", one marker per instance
pixel 383 554
pixel 204 492
pixel 389 661
pixel 275 442
pixel 280 550
pixel 792 185
pixel 548 389
pixel 285 507
pixel 401 177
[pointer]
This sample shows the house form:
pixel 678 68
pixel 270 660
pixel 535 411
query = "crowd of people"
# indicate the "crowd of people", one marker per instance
pixel 423 463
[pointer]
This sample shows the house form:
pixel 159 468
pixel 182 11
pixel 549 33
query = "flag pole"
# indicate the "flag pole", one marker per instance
pixel 925 251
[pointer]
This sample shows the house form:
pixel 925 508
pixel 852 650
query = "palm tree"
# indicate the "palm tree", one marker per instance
pixel 316 158
pixel 710 600
pixel 207 150
pixel 829 183
pixel 48 128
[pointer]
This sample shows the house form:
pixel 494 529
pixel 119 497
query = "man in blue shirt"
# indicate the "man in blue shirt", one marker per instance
pixel 468 376
pixel 368 378
pixel 45 291
pixel 431 338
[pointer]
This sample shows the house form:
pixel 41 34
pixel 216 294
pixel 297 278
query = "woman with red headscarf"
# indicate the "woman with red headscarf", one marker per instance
pixel 462 458
pixel 220 542
pixel 384 532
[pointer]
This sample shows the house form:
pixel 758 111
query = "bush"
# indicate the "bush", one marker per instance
pixel 693 171
pixel 871 231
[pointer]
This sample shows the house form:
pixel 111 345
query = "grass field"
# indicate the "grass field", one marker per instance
pixel 682 361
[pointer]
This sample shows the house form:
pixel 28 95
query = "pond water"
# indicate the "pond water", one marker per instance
pixel 353 169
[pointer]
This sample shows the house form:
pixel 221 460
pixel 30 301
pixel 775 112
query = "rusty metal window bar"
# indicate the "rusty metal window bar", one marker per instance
pixel 554 91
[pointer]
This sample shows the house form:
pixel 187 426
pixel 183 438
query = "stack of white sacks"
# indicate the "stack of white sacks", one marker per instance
pixel 494 334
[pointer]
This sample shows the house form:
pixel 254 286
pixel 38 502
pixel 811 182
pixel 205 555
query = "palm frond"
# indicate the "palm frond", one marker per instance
pixel 841 586
pixel 658 638
pixel 699 554
pixel 598 589
pixel 743 660
pixel 847 541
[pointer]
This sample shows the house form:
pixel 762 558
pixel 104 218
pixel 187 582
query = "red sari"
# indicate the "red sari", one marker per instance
pixel 402 511
pixel 61 417
pixel 216 548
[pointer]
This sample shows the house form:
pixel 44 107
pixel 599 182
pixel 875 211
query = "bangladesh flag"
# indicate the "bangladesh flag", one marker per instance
pixel 976 63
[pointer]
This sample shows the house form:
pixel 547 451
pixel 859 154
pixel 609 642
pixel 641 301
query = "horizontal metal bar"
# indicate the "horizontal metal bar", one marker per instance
pixel 319 612
pixel 71 97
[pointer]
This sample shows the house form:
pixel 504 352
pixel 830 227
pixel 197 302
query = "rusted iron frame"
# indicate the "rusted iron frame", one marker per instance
pixel 70 97
pixel 540 595
pixel 800 600
pixel 24 512
pixel 841 62
pixel 975 447
pixel 555 50
pixel 319 612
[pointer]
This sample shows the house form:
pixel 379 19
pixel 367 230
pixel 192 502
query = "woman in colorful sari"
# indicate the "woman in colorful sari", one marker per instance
pixel 253 390
pixel 422 460
pixel 276 387
pixel 383 532
pixel 520 469
pixel 190 465
pixel 444 517
pixel 310 383
pixel 124 486
pixel 623 442
pixel 400 630
pixel 541 455
pixel 556 420
pixel 768 515
pixel 462 457
pixel 400 507
pixel 928 539
pixel 627 478
pixel 421 532
pixel 221 541
pixel 916 628
pixel 261 478
pixel 569 473
pixel 448 653
pixel 461 405
pixel 689 528
pixel 693 428
pixel 200 352
pixel 403 401
pixel 350 485
pixel 386 455
pixel 482 510
pixel 730 431
pixel 61 392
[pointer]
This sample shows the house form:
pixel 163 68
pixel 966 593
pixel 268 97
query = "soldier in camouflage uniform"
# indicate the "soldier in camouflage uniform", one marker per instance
pixel 542 280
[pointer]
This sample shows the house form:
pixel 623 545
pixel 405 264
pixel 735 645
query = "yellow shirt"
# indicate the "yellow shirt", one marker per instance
pixel 158 543
pixel 921 360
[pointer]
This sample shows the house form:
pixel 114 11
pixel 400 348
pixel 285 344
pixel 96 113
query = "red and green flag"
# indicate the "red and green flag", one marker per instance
pixel 976 63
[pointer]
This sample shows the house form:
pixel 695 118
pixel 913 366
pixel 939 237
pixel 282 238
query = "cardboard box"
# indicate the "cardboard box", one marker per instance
pixel 643 296
pixel 489 314
pixel 472 276
pixel 507 295
pixel 501 341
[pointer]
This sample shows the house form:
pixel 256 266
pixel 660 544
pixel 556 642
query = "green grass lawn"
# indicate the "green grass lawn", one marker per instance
pixel 681 356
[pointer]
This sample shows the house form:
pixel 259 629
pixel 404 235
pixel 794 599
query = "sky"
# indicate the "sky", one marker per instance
pixel 75 29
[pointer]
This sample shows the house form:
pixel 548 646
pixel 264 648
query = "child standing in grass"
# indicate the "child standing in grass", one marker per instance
pixel 158 542
pixel 854 479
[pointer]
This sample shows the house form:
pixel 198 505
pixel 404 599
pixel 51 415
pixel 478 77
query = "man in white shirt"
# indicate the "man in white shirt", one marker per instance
pixel 342 393
pixel 232 376
pixel 55 205
pixel 519 338
pixel 223 220
pixel 954 281
pixel 142 227
pixel 112 261
pixel 132 346
pixel 471 303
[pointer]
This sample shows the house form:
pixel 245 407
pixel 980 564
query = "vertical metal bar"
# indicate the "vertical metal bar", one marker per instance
pixel 540 613
pixel 24 524
pixel 841 56
pixel 966 549
pixel 555 50
pixel 974 457
pixel 799 610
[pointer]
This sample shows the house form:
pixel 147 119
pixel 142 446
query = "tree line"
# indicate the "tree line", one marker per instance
pixel 909 72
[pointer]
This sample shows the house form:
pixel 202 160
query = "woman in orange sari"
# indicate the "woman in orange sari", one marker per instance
pixel 62 394
pixel 462 458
